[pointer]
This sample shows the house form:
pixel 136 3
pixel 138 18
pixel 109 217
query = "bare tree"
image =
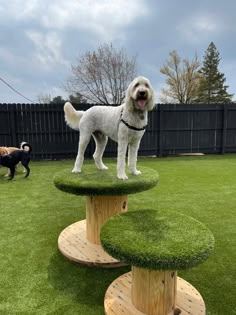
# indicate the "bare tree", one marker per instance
pixel 44 98
pixel 102 76
pixel 182 79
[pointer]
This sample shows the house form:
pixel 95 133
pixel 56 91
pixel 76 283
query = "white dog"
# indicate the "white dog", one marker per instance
pixel 124 124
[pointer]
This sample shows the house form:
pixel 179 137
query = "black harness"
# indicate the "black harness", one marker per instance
pixel 129 126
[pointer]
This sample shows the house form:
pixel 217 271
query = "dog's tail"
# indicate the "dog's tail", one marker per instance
pixel 25 146
pixel 72 116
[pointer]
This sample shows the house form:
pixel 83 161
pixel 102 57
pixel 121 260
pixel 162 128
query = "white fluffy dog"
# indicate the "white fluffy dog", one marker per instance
pixel 124 124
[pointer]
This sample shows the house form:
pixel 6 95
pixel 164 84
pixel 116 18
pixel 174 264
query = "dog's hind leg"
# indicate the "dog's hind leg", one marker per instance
pixel 83 142
pixel 12 172
pixel 26 167
pixel 101 141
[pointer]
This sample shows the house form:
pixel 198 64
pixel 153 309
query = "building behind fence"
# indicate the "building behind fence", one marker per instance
pixel 172 129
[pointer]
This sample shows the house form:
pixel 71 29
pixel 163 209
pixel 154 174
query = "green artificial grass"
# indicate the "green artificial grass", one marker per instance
pixel 104 182
pixel 37 280
pixel 161 240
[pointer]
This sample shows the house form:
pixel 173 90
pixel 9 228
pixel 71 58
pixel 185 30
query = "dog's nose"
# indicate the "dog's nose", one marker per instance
pixel 142 93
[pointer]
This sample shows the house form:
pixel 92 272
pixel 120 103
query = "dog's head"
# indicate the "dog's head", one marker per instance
pixel 140 95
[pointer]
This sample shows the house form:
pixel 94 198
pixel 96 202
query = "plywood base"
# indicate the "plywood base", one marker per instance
pixel 73 244
pixel 118 298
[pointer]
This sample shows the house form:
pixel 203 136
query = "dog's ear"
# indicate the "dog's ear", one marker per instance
pixel 128 98
pixel 151 102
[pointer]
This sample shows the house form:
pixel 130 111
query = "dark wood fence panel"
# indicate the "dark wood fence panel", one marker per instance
pixel 5 125
pixel 172 129
pixel 191 128
pixel 230 138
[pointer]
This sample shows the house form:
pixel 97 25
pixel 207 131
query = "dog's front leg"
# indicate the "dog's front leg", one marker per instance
pixel 122 149
pixel 83 142
pixel 132 157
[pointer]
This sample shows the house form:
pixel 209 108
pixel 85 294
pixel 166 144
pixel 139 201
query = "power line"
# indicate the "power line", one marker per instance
pixel 16 91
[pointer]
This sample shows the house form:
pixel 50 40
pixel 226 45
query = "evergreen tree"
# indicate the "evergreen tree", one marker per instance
pixel 58 100
pixel 212 88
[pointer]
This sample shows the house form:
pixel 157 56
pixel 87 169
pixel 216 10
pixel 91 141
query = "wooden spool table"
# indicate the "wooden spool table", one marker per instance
pixel 106 196
pixel 156 244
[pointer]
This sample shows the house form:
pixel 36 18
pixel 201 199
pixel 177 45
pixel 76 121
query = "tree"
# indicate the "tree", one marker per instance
pixel 182 79
pixel 102 76
pixel 77 99
pixel 212 88
pixel 58 100
pixel 44 98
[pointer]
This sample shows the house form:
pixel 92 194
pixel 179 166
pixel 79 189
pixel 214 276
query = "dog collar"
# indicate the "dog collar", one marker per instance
pixel 132 127
pixel 129 126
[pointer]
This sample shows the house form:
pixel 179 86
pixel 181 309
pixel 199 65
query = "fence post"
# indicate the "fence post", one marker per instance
pixel 12 108
pixel 160 130
pixel 224 130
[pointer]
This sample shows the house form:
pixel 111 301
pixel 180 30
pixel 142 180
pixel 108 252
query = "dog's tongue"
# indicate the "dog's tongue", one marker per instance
pixel 141 103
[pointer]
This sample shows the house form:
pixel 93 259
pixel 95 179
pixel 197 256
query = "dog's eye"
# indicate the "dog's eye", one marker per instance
pixel 147 85
pixel 136 85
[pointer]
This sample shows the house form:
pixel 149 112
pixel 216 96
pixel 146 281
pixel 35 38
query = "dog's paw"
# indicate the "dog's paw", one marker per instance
pixel 104 168
pixel 122 176
pixel 75 170
pixel 136 173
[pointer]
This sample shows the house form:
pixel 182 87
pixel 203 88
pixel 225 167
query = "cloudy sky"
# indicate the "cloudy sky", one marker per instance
pixel 40 39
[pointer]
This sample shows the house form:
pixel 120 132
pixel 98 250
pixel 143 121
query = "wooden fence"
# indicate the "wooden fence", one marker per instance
pixel 172 129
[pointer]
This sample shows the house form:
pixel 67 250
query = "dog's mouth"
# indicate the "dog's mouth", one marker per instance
pixel 141 102
pixel 141 99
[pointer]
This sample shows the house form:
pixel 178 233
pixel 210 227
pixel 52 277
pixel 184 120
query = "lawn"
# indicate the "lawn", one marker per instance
pixel 36 279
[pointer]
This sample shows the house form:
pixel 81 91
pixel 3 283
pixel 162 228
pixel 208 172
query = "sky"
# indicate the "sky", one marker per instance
pixel 41 39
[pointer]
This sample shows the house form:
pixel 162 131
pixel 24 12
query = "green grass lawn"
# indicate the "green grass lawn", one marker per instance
pixel 36 279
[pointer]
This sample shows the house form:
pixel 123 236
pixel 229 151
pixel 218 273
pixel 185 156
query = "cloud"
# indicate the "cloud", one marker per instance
pixel 16 10
pixel 47 48
pixel 200 26
pixel 41 38
pixel 103 18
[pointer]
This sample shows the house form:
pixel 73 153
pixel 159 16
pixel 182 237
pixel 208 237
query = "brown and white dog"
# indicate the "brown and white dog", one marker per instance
pixel 8 150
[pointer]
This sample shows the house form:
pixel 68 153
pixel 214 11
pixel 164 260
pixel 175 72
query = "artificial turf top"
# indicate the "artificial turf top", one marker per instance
pixel 162 240
pixel 104 182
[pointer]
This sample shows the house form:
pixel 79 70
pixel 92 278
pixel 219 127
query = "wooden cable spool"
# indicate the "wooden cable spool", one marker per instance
pixel 106 196
pixel 156 244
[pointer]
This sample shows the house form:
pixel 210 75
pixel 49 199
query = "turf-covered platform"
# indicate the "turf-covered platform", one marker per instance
pixel 156 244
pixel 106 196
pixel 162 240
pixel 94 182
